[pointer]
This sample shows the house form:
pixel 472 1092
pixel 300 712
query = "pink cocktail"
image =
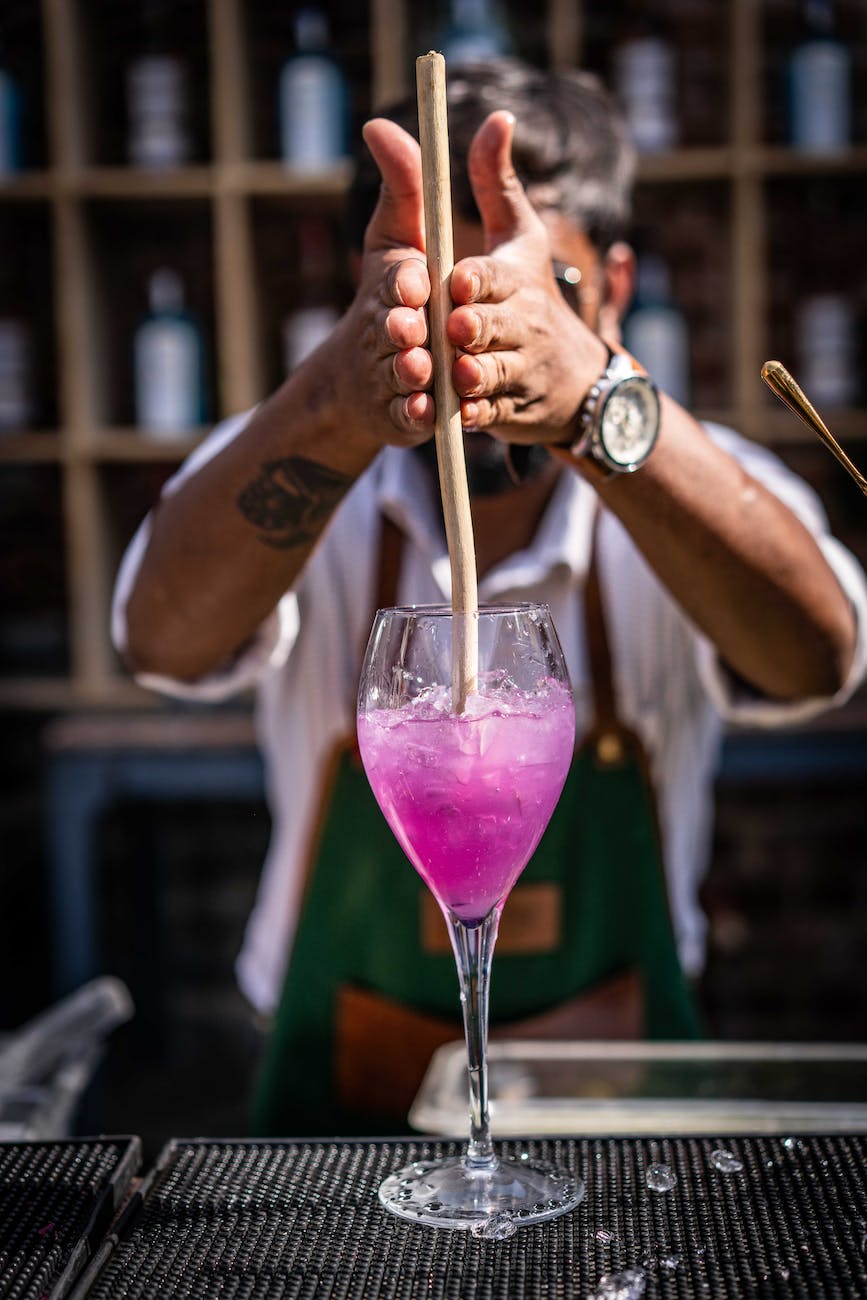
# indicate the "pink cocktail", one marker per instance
pixel 468 795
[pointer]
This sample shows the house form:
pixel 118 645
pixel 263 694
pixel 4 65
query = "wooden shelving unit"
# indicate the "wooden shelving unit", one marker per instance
pixel 94 474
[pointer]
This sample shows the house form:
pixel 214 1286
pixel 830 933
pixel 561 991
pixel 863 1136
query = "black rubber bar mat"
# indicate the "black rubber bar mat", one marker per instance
pixel 57 1200
pixel 739 1217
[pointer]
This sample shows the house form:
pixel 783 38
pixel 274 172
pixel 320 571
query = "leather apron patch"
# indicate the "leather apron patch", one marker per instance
pixel 530 925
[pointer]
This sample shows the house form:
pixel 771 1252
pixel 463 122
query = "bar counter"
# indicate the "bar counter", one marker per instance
pixel 740 1216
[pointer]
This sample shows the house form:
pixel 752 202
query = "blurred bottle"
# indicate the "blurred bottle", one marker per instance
pixel 158 95
pixel 16 394
pixel 474 31
pixel 820 91
pixel 313 98
pixel 825 331
pixel 314 312
pixel 168 361
pixel 645 83
pixel 10 121
pixel 655 330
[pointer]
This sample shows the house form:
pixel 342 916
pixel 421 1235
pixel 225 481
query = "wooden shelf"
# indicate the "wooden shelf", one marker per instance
pixel 94 230
pixel 21 448
pixel 28 186
pixel 139 183
pixel 134 446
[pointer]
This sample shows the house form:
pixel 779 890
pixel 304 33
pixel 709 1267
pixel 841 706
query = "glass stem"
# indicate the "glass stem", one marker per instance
pixel 474 949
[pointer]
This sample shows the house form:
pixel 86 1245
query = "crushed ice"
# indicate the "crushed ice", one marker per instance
pixel 628 1285
pixel 660 1178
pixel 496 1227
pixel 725 1161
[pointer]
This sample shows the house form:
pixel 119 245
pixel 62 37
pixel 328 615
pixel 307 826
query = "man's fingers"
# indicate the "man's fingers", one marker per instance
pixel 480 328
pixel 399 328
pixel 504 207
pixel 483 279
pixel 488 374
pixel 406 284
pixel 398 220
pixel 490 413
pixel 412 370
pixel 413 416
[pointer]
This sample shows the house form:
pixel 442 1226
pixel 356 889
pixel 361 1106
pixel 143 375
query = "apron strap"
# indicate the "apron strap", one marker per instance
pixel 607 732
pixel 386 578
pixel 391 541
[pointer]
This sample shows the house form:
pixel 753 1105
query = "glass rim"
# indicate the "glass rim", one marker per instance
pixel 446 611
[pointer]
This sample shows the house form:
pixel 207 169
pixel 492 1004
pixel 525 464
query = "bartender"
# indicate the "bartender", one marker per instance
pixel 691 577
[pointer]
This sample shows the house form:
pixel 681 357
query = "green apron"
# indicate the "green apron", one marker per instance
pixel 372 982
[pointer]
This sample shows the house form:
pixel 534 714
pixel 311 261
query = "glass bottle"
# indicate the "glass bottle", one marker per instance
pixel 825 334
pixel 820 90
pixel 644 75
pixel 10 120
pixel 313 98
pixel 158 96
pixel 16 395
pixel 475 30
pixel 168 368
pixel 656 332
pixel 314 312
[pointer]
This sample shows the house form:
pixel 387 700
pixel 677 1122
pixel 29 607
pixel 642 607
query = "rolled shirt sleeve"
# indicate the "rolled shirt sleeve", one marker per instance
pixel 270 645
pixel 730 695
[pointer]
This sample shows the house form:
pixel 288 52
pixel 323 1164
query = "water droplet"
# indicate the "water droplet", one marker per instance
pixel 497 1227
pixel 660 1178
pixel 628 1285
pixel 525 1155
pixel 699 1249
pixel 606 1237
pixel 669 1261
pixel 790 1143
pixel 725 1161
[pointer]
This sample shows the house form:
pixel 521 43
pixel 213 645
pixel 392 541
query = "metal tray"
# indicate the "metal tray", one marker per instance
pixel 610 1088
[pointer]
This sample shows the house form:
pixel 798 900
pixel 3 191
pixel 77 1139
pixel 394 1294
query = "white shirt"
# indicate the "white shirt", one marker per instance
pixel 671 687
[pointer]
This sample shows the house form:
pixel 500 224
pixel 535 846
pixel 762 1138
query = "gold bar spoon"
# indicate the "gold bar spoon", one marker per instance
pixel 778 379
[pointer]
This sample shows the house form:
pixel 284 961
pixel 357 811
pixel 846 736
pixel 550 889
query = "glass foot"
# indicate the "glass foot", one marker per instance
pixel 493 1200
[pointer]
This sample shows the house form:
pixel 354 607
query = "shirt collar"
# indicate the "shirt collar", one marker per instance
pixel 562 540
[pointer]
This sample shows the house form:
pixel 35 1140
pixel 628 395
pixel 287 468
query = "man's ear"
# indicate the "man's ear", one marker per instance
pixel 618 280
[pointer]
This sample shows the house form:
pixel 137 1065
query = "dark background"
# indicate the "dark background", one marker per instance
pixel 787 891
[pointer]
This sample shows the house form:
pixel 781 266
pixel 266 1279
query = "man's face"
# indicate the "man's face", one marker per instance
pixel 580 279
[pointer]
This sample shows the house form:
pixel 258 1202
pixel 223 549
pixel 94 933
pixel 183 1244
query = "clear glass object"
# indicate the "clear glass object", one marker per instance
pixel 468 796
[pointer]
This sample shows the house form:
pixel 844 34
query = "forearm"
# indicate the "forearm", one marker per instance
pixel 234 537
pixel 738 561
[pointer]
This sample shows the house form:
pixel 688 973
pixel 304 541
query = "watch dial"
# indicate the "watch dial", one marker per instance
pixel 629 421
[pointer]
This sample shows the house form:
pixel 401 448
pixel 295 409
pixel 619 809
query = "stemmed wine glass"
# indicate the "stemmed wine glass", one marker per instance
pixel 468 795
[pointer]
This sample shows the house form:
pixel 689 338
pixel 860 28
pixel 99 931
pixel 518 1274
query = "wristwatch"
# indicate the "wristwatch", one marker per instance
pixel 618 420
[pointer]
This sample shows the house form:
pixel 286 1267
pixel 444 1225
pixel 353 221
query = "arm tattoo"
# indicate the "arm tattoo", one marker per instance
pixel 291 500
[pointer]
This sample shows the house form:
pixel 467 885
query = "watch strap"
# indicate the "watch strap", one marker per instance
pixel 572 446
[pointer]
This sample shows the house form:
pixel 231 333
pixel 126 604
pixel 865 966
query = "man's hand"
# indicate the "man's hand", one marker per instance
pixel 526 360
pixel 385 370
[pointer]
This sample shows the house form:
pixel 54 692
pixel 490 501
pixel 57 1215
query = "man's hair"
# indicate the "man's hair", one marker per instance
pixel 570 150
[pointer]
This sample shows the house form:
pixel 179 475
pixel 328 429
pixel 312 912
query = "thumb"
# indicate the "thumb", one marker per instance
pixel 398 220
pixel 504 207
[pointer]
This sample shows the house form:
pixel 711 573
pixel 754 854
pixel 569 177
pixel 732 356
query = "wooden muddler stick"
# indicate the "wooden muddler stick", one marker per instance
pixel 434 139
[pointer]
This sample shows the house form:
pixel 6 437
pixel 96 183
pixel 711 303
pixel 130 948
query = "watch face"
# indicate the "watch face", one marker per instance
pixel 629 422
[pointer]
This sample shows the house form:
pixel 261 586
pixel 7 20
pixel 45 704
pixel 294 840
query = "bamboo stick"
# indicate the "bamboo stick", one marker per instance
pixel 433 134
